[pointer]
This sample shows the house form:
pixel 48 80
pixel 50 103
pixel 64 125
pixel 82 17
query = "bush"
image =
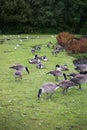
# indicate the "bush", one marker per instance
pixel 63 38
pixel 77 45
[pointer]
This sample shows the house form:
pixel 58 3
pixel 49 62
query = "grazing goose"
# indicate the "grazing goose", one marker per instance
pixel 19 67
pixel 18 75
pixel 57 73
pixel 79 79
pixel 65 84
pixel 74 74
pixel 48 87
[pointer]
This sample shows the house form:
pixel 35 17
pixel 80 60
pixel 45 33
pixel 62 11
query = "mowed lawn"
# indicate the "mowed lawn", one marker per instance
pixel 19 106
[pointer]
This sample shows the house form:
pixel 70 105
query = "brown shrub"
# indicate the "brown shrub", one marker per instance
pixel 63 38
pixel 77 45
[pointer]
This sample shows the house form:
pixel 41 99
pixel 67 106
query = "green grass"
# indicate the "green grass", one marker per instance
pixel 19 106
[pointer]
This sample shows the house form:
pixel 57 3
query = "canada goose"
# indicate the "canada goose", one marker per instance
pixel 48 87
pixel 81 68
pixel 57 73
pixel 34 61
pixel 49 45
pixel 33 50
pixel 80 61
pixel 37 57
pixel 61 67
pixel 19 67
pixel 40 66
pixel 37 47
pixel 55 51
pixel 81 65
pixel 43 58
pixel 59 47
pixel 79 79
pixel 65 84
pixel 57 67
pixel 74 74
pixel 18 75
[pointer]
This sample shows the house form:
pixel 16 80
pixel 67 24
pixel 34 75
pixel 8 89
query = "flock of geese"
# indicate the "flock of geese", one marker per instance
pixel 75 79
pixel 70 80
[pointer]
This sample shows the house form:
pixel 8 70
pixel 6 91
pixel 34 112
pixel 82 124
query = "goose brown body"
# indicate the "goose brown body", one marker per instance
pixel 66 84
pixel 57 73
pixel 79 79
pixel 48 87
pixel 18 75
pixel 19 67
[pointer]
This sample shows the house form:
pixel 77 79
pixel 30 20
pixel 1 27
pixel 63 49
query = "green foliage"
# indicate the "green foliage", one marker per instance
pixel 43 16
pixel 19 107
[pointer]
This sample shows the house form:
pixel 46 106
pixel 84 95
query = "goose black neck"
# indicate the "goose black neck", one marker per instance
pixel 85 72
pixel 64 76
pixel 39 93
pixel 27 69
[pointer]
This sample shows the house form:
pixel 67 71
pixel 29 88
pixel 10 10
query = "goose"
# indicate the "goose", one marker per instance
pixel 61 67
pixel 37 47
pixel 37 57
pixel 33 50
pixel 65 84
pixel 34 61
pixel 48 87
pixel 57 67
pixel 19 67
pixel 39 66
pixel 55 51
pixel 79 79
pixel 81 65
pixel 18 75
pixel 72 74
pixel 80 61
pixel 43 58
pixel 81 68
pixel 49 45
pixel 57 73
pixel 59 47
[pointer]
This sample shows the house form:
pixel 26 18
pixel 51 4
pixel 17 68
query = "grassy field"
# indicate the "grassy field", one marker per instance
pixel 19 106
